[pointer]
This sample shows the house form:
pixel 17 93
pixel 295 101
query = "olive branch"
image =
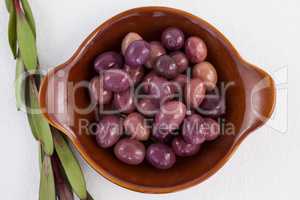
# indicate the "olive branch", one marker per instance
pixel 60 172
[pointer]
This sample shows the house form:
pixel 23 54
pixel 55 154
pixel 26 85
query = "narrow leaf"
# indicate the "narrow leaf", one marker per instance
pixel 47 187
pixel 9 5
pixel 70 165
pixel 26 43
pixel 19 84
pixel 41 156
pixel 12 32
pixel 63 189
pixel 38 123
pixel 29 16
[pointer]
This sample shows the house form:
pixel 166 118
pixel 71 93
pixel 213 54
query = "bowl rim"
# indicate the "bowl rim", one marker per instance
pixel 131 186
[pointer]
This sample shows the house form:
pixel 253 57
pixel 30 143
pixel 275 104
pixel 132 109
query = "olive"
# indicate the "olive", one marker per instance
pixel 194 93
pixel 137 53
pixel 135 126
pixel 213 105
pixel 195 49
pixel 136 74
pixel 116 80
pixel 172 38
pixel 207 73
pixel 211 129
pixel 148 106
pixel 182 148
pixel 166 67
pixel 181 79
pixel 160 156
pixel 128 39
pixel 192 129
pixel 170 116
pixel 124 101
pixel 98 93
pixel 146 84
pixel 160 88
pixel 109 130
pixel 130 151
pixel 156 50
pixel 180 60
pixel 108 60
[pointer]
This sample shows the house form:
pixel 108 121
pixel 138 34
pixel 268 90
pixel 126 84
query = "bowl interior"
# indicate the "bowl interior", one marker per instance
pixel 149 23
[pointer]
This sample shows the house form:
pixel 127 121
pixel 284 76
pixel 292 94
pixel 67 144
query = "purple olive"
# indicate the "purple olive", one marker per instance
pixel 156 50
pixel 211 129
pixel 159 88
pixel 116 80
pixel 194 93
pixel 181 80
pixel 136 74
pixel 137 53
pixel 207 73
pixel 148 107
pixel 181 148
pixel 108 60
pixel 160 156
pixel 195 49
pixel 109 130
pixel 165 66
pixel 128 39
pixel 172 38
pixel 124 101
pixel 180 60
pixel 98 93
pixel 135 126
pixel 213 105
pixel 130 151
pixel 170 116
pixel 192 129
pixel 147 81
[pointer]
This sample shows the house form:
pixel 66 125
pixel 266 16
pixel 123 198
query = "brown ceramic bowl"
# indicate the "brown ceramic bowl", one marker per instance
pixel 250 101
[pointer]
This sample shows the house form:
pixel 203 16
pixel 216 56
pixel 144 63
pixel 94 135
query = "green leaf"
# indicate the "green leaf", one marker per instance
pixel 41 156
pixel 12 32
pixel 70 165
pixel 19 84
pixel 9 5
pixel 29 16
pixel 26 43
pixel 47 187
pixel 39 126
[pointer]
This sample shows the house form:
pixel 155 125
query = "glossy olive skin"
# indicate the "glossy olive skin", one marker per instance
pixel 128 39
pixel 108 60
pixel 136 74
pixel 160 156
pixel 211 129
pixel 156 50
pixel 98 93
pixel 170 116
pixel 194 93
pixel 195 49
pixel 146 84
pixel 148 107
pixel 192 129
pixel 213 105
pixel 183 149
pixel 124 101
pixel 160 88
pixel 109 130
pixel 181 61
pixel 116 80
pixel 136 127
pixel 207 73
pixel 130 151
pixel 172 38
pixel 137 53
pixel 165 66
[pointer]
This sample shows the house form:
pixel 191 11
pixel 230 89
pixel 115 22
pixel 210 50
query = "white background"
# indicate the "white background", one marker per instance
pixel 266 33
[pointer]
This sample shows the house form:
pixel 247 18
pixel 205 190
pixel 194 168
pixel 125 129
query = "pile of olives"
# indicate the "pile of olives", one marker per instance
pixel 144 85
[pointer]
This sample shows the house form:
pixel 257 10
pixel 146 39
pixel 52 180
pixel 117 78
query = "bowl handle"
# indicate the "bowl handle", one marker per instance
pixel 259 96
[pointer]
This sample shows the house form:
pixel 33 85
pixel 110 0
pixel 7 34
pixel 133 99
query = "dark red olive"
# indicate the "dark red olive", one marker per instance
pixel 156 50
pixel 160 156
pixel 135 125
pixel 148 106
pixel 137 53
pixel 194 93
pixel 98 93
pixel 213 105
pixel 180 60
pixel 108 60
pixel 195 49
pixel 165 66
pixel 182 148
pixel 211 129
pixel 136 74
pixel 124 101
pixel 192 129
pixel 116 80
